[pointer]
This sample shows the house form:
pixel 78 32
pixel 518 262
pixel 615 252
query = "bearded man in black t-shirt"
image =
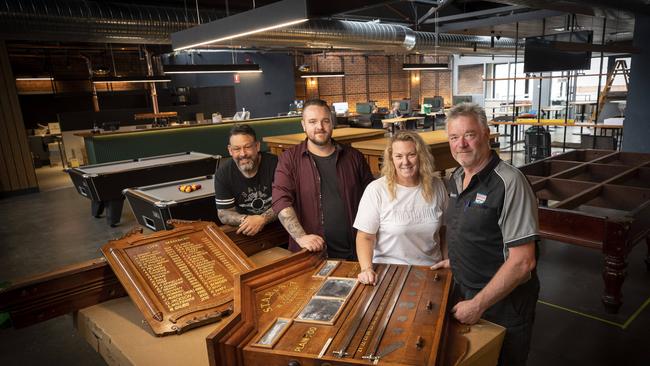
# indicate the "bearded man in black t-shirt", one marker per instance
pixel 242 185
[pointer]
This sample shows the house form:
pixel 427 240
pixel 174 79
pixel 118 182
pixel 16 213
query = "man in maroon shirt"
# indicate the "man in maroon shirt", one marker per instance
pixel 317 187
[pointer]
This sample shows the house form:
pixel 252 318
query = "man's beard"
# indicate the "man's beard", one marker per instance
pixel 320 143
pixel 247 167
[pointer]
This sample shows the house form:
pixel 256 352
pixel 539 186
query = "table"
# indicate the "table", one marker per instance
pixel 373 150
pixel 517 106
pixel 114 329
pixel 598 199
pixel 553 108
pixel 155 204
pixel 616 132
pixel 393 121
pixel 514 126
pixel 346 135
pixel 583 105
pixel 103 183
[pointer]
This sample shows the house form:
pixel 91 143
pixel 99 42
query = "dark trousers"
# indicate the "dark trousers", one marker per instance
pixel 515 312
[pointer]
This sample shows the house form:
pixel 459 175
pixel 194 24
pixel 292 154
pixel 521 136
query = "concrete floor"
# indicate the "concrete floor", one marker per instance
pixel 44 231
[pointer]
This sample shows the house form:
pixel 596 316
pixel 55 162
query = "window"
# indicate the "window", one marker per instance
pixel 504 89
pixel 586 82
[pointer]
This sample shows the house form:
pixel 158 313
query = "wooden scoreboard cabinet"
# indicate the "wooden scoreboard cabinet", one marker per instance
pixel 305 310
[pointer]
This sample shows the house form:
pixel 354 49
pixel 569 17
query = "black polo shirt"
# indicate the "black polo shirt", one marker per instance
pixel 497 211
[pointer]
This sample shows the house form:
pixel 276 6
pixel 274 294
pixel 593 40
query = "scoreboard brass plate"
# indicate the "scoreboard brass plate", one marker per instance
pixel 179 279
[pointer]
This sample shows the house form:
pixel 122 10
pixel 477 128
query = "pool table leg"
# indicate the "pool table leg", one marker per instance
pixel 96 208
pixel 114 211
pixel 614 250
pixel 613 274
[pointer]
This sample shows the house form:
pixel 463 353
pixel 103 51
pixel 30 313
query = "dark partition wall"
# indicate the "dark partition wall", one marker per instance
pixel 263 94
pixel 636 130
pixel 205 100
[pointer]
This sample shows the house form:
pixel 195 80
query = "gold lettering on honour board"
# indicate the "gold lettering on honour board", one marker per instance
pixel 289 293
pixel 309 334
pixel 152 262
pixel 180 278
pixel 197 276
pixel 279 296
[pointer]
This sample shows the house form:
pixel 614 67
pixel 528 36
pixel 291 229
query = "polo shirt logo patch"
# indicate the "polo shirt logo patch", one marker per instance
pixel 480 198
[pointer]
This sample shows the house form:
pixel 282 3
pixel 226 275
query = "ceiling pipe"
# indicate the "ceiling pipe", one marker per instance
pixel 389 38
pixel 94 21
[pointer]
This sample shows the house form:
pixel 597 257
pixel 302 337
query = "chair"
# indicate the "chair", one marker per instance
pixel 375 120
pixel 362 121
pixel 428 122
pixel 438 104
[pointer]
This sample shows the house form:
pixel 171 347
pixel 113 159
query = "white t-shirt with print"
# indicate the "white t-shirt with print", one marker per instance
pixel 406 227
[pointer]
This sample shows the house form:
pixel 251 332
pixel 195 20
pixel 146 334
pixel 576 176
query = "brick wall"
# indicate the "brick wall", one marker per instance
pixel 378 78
pixel 434 83
pixel 470 79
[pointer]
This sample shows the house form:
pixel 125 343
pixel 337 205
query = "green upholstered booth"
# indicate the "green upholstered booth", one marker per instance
pixel 209 139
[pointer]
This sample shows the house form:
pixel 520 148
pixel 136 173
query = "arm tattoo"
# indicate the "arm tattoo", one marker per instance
pixel 269 215
pixel 290 222
pixel 230 216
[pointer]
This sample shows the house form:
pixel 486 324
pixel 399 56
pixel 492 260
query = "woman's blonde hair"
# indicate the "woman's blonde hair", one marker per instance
pixel 426 167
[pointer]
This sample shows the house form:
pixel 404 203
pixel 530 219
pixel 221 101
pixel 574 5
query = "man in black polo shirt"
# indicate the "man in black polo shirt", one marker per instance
pixel 492 229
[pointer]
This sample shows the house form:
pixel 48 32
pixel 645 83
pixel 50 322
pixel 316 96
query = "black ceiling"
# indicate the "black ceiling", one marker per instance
pixel 498 18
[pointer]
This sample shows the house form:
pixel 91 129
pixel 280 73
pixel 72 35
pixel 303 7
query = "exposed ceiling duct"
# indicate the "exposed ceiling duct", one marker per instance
pixel 372 36
pixel 457 43
pixel 94 21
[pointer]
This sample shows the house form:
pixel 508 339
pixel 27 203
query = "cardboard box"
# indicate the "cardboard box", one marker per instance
pixel 119 333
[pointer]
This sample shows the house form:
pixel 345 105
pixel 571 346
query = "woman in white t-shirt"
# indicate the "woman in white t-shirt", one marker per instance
pixel 400 214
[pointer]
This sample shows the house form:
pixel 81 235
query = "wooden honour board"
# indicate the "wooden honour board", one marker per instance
pixel 399 321
pixel 181 278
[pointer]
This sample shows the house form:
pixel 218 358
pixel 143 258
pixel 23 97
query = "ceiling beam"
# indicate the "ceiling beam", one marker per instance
pixel 474 14
pixel 319 8
pixel 402 15
pixel 506 19
pixel 427 14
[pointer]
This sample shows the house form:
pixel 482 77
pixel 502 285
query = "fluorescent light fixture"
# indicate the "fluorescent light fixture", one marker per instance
pixel 435 66
pixel 265 18
pixel 322 75
pixel 211 69
pixel 41 78
pixel 243 34
pixel 131 79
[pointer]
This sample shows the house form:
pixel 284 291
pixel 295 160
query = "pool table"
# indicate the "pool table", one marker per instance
pixel 346 135
pixel 373 150
pixel 103 183
pixel 155 204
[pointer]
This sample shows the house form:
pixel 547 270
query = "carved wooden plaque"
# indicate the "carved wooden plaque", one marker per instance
pixel 179 279
pixel 290 313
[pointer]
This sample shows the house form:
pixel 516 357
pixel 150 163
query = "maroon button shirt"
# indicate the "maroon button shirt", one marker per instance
pixel 297 184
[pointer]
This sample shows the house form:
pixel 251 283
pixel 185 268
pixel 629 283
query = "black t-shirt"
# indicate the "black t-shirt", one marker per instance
pixel 249 196
pixel 335 219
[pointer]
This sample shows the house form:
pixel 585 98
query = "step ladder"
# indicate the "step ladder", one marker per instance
pixel 620 68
